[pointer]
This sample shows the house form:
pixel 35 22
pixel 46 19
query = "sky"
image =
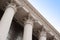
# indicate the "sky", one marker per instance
pixel 50 9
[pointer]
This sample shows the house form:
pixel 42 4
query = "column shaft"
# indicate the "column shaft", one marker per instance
pixel 6 21
pixel 28 30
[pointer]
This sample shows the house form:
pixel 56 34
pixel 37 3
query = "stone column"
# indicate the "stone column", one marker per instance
pixel 6 21
pixel 42 35
pixel 28 30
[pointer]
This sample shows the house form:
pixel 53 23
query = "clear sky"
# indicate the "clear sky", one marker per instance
pixel 50 9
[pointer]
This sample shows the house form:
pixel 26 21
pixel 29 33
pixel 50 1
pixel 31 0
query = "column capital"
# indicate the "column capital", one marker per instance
pixel 43 33
pixel 12 5
pixel 42 29
pixel 29 21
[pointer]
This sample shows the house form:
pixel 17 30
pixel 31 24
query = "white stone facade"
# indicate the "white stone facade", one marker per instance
pixel 27 22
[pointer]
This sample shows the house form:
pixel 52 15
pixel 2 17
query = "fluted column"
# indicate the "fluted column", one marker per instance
pixel 42 35
pixel 6 21
pixel 28 30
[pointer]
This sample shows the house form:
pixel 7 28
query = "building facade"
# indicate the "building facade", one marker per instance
pixel 19 20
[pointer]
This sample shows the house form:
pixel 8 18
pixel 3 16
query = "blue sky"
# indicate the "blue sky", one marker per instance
pixel 50 9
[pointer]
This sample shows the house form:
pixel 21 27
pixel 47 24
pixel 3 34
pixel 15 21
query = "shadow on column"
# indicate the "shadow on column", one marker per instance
pixel 15 30
pixel 1 13
pixel 34 38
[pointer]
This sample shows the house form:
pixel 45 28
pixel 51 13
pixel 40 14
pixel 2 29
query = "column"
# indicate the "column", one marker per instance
pixel 42 35
pixel 28 30
pixel 6 21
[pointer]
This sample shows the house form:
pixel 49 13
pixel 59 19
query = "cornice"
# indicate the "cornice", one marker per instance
pixel 40 16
